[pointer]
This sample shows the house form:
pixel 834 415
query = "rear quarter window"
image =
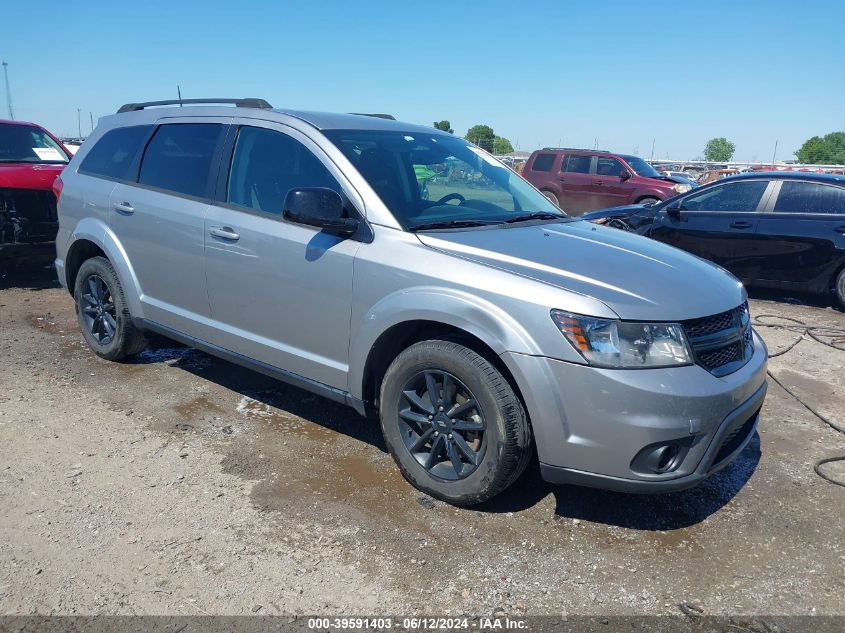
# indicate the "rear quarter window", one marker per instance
pixel 178 157
pixel 543 162
pixel 115 152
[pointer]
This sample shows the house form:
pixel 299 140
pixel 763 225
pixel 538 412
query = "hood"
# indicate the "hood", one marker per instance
pixel 636 277
pixel 29 176
pixel 613 212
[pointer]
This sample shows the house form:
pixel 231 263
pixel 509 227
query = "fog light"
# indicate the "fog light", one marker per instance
pixel 661 458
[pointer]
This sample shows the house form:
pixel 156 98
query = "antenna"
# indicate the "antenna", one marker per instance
pixel 179 92
pixel 8 91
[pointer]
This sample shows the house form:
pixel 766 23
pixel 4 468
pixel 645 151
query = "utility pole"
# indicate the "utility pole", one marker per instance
pixel 8 91
pixel 79 123
pixel 775 153
pixel 91 115
pixel 179 92
pixel 652 148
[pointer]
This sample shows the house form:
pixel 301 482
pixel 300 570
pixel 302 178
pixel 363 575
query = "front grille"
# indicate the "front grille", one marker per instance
pixel 721 343
pixel 27 216
pixel 735 438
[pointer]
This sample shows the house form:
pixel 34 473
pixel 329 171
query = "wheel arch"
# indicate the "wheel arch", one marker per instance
pixel 92 238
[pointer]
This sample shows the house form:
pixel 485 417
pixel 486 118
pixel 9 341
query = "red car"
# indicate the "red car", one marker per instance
pixel 30 160
pixel 581 180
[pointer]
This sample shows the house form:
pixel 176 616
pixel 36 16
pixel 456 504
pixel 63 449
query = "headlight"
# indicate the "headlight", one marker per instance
pixel 620 344
pixel 682 188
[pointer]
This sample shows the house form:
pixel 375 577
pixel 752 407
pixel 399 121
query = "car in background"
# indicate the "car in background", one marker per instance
pixel 581 180
pixel 680 177
pixel 716 174
pixel 770 229
pixel 30 160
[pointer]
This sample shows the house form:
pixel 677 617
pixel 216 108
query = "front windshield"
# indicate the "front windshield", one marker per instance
pixel 642 168
pixel 437 181
pixel 29 144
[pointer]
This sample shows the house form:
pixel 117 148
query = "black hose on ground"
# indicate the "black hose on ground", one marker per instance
pixel 828 336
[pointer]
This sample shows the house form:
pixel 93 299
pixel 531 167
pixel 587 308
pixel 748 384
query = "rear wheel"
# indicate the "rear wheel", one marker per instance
pixel 453 424
pixel 102 311
pixel 648 201
pixel 839 289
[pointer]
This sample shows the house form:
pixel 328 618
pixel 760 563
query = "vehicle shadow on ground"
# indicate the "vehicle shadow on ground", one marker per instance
pixel 668 511
pixel 792 298
pixel 34 274
pixel 263 389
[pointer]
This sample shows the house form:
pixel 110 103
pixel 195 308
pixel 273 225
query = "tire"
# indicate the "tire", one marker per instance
pixel 103 313
pixel 839 289
pixel 493 426
pixel 552 197
pixel 649 200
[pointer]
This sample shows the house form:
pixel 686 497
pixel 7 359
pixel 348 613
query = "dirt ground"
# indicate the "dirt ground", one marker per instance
pixel 181 484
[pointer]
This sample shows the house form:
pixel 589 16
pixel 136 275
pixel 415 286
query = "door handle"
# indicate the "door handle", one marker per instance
pixel 741 225
pixel 840 229
pixel 225 233
pixel 123 207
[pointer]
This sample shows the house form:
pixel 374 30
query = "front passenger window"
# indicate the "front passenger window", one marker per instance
pixel 733 197
pixel 266 165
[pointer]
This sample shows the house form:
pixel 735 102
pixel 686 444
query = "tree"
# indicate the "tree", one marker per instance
pixel 444 125
pixel 501 145
pixel 481 135
pixel 827 150
pixel 719 150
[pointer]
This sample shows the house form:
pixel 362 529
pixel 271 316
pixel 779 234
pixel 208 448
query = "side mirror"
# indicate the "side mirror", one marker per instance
pixel 320 207
pixel 674 210
pixel 624 175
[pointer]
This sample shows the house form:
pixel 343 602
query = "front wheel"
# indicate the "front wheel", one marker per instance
pixel 102 311
pixel 648 201
pixel 453 423
pixel 839 289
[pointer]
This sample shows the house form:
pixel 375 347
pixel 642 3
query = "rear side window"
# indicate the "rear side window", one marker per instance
pixel 115 152
pixel 543 162
pixel 576 165
pixel 266 165
pixel 810 197
pixel 178 158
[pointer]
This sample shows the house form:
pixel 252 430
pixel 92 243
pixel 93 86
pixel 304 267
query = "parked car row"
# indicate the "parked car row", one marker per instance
pixel 771 229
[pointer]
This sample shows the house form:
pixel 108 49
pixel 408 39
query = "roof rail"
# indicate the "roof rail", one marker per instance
pixel 576 149
pixel 241 103
pixel 378 116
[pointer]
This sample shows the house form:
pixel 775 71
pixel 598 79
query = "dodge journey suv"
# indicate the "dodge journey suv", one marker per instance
pixel 406 273
pixel 581 180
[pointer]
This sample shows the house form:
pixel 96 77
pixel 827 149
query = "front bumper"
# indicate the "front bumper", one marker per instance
pixel 594 425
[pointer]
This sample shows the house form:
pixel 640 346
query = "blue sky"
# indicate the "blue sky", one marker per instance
pixel 540 73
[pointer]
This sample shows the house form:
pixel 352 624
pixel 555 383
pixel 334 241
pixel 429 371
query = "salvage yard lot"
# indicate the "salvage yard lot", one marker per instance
pixel 181 484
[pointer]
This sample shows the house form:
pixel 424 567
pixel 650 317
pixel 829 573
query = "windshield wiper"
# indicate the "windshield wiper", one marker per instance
pixel 451 224
pixel 539 215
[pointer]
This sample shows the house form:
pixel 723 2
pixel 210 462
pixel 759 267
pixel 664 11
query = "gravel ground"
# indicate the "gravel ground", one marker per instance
pixel 181 484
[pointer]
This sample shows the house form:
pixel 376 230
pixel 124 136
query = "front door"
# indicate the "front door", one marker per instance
pixel 611 189
pixel 717 223
pixel 160 222
pixel 280 293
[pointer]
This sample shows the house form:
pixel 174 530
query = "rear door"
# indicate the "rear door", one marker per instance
pixel 576 184
pixel 718 223
pixel 802 236
pixel 160 221
pixel 610 189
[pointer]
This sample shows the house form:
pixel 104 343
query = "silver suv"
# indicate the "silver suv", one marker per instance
pixel 405 272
